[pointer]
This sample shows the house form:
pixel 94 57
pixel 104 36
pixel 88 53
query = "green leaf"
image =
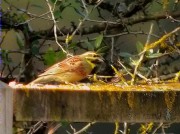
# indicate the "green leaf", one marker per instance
pixel 37 6
pixel 35 43
pixel 60 55
pixel 64 123
pixel 73 45
pixel 63 6
pixel 144 69
pixel 19 40
pixel 79 12
pixel 53 1
pixel 57 14
pixel 139 47
pixel 35 50
pixel 89 45
pixel 58 3
pixel 5 58
pixel 155 55
pixel 98 41
pixel 35 47
pixel 50 57
pixel 102 49
pixel 125 54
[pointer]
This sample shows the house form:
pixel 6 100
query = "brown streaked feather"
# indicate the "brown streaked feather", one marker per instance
pixel 68 65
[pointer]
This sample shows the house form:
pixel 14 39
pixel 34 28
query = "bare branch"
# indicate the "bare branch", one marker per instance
pixel 55 25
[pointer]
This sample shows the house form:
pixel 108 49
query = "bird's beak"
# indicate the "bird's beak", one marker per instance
pixel 101 59
pixel 98 59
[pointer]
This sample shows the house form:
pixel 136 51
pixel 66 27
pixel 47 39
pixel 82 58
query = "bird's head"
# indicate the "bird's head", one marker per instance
pixel 92 58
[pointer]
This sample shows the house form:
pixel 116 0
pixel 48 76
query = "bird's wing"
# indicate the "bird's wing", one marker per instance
pixel 67 65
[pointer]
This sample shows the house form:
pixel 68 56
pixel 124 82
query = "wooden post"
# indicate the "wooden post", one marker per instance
pixel 103 103
pixel 6 109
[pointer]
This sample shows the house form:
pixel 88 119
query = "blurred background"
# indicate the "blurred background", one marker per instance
pixel 117 29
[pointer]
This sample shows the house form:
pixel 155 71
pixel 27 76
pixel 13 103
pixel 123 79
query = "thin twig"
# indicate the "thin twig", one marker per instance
pixel 125 68
pixel 125 128
pixel 85 128
pixel 159 126
pixel 171 18
pixel 33 18
pixel 74 130
pixel 22 68
pixel 84 5
pixel 98 3
pixel 127 33
pixel 28 13
pixel 54 128
pixel 112 48
pixel 35 127
pixel 141 57
pixel 55 25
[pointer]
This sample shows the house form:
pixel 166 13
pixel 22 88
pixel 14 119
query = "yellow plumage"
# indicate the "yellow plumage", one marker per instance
pixel 70 70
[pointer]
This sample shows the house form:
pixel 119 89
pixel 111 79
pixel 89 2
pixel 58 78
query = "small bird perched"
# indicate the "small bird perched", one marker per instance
pixel 70 70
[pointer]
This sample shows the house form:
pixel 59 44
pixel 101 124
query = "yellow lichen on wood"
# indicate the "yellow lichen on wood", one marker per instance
pixel 100 96
pixel 170 99
pixel 113 97
pixel 176 79
pixel 119 95
pixel 145 87
pixel 119 74
pixel 26 91
pixel 130 99
pixel 89 102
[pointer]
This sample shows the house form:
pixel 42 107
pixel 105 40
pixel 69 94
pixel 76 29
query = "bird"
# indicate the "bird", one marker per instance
pixel 70 70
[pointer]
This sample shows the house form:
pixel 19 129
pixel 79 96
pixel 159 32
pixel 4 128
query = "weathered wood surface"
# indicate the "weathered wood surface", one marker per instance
pixel 6 109
pixel 106 103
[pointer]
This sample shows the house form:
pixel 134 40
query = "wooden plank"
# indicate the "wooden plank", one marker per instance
pixel 104 103
pixel 6 109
